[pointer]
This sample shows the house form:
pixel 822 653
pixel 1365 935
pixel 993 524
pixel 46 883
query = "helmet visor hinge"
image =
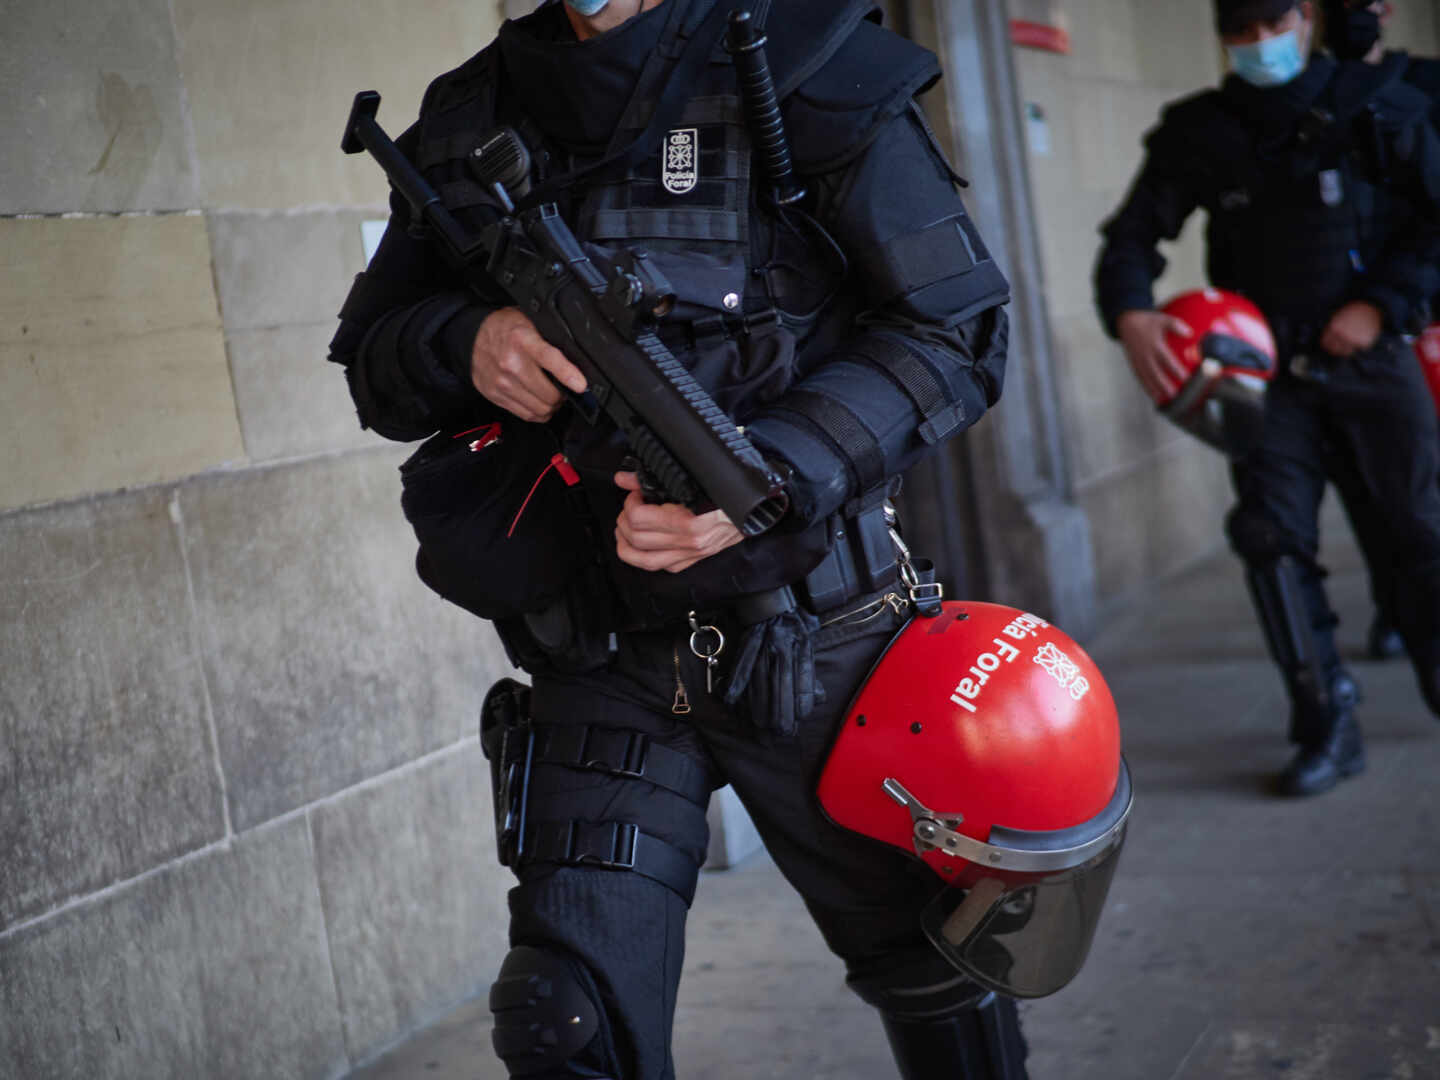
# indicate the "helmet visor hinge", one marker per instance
pixel 936 832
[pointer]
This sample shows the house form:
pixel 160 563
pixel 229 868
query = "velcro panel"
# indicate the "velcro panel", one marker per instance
pixel 916 260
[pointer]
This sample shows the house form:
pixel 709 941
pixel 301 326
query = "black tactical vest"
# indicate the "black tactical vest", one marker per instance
pixel 749 286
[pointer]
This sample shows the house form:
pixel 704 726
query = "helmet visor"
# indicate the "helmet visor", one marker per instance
pixel 1024 938
pixel 1227 411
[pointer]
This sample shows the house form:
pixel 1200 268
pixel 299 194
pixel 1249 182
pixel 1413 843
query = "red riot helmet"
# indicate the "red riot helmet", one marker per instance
pixel 1229 357
pixel 1427 349
pixel 986 743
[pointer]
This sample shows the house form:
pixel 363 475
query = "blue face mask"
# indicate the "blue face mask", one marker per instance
pixel 1271 62
pixel 588 7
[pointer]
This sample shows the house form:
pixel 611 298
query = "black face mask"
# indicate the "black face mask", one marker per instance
pixel 575 91
pixel 1354 33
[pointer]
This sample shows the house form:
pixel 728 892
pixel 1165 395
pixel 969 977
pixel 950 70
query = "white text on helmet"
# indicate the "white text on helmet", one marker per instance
pixel 968 689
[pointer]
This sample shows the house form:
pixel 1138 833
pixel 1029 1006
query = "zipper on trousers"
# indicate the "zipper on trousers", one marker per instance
pixel 682 699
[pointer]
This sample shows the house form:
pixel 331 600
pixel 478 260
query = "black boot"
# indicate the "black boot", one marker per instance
pixel 982 1043
pixel 1323 762
pixel 1383 642
pixel 1427 672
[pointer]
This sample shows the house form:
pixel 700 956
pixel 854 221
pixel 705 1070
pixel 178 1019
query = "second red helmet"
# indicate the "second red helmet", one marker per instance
pixel 1229 355
pixel 986 743
pixel 1427 350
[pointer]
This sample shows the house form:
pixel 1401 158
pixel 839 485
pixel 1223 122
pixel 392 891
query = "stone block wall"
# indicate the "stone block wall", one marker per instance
pixel 244 820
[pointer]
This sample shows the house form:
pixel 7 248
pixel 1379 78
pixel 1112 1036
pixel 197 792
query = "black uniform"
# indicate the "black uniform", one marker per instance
pixel 1319 192
pixel 849 334
pixel 1368 524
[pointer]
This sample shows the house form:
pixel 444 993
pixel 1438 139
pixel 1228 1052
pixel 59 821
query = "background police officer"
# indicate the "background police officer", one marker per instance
pixel 1354 30
pixel 1321 182
pixel 677 655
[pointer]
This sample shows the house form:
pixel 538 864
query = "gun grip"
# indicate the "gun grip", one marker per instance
pixel 366 105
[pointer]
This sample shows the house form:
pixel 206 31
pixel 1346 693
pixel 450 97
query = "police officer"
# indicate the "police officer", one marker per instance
pixel 850 322
pixel 1322 185
pixel 1354 30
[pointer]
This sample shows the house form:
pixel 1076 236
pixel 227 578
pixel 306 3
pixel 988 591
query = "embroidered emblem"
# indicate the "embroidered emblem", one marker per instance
pixel 680 165
pixel 1332 191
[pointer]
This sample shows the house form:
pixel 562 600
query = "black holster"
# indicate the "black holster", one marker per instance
pixel 507 738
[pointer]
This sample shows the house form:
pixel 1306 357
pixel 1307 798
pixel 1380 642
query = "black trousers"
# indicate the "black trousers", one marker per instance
pixel 1367 423
pixel 628 930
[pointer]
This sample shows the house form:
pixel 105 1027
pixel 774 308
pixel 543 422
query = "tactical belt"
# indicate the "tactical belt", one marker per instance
pixel 621 752
pixel 612 845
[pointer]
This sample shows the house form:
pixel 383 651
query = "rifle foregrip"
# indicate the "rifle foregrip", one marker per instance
pixel 667 474
pixel 695 395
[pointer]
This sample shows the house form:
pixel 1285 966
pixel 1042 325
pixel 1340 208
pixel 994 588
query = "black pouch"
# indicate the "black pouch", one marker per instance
pixel 501 532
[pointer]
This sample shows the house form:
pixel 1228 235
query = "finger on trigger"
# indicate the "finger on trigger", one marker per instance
pixel 533 378
pixel 555 362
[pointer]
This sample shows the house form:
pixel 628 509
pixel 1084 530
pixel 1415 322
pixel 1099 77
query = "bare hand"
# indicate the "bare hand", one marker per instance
pixel 1354 328
pixel 508 363
pixel 1143 335
pixel 667 536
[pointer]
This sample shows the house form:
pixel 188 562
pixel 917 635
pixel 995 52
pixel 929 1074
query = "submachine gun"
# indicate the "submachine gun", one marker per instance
pixel 689 450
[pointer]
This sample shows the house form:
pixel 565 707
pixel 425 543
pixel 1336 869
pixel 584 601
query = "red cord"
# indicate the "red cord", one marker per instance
pixel 489 435
pixel 567 473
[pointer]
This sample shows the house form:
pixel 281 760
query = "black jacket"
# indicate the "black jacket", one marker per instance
pixel 1319 192
pixel 833 393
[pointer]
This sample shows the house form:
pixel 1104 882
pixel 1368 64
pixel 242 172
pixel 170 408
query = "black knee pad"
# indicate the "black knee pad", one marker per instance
pixel 915 985
pixel 547 1015
pixel 1256 537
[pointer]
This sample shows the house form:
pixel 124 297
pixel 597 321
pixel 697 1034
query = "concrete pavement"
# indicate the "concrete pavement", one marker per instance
pixel 1246 937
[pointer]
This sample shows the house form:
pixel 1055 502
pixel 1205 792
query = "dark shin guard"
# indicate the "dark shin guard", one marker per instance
pixel 1417 615
pixel 1299 630
pixel 981 1043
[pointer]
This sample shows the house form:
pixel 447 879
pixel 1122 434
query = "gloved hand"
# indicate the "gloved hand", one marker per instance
pixel 775 672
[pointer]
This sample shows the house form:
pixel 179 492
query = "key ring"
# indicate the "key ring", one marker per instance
pixel 709 657
pixel 696 630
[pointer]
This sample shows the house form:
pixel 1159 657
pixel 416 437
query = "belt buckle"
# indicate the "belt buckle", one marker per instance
pixel 622 849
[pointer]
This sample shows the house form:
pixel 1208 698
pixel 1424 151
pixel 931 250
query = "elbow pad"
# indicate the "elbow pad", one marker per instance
pixel 863 417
